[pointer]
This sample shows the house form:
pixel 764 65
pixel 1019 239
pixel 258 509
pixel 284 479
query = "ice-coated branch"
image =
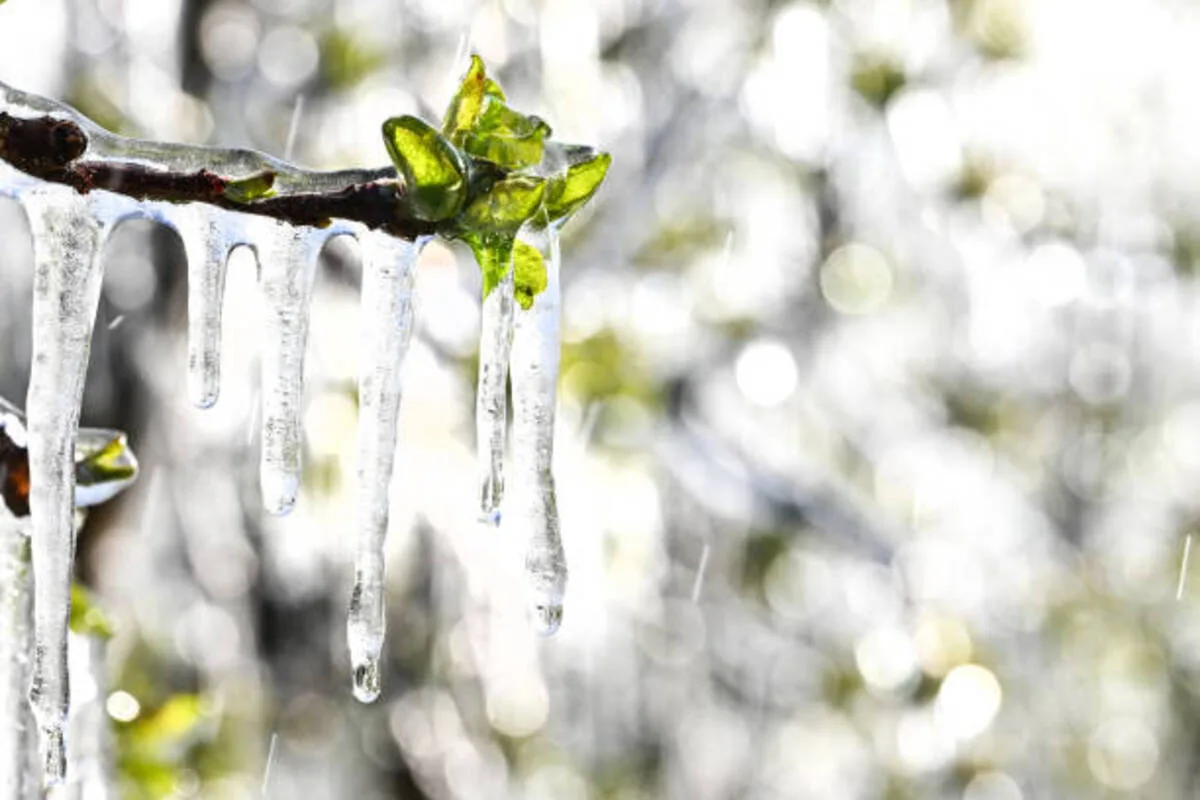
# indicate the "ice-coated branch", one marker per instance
pixel 56 150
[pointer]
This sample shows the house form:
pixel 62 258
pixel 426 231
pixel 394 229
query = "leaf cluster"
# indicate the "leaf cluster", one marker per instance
pixel 488 172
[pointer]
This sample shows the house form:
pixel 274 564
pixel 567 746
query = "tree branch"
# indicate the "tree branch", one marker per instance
pixel 52 150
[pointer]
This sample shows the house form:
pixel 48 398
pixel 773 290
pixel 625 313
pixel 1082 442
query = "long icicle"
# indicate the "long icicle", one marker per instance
pixel 90 746
pixel 491 404
pixel 535 359
pixel 387 319
pixel 287 265
pixel 66 290
pixel 207 249
pixel 19 773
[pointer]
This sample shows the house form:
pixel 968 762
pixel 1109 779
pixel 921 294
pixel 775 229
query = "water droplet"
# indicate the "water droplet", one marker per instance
pixel 366 682
pixel 547 618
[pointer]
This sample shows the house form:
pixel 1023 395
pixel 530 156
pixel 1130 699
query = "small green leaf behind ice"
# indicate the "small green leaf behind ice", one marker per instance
pixel 111 461
pixel 493 254
pixel 433 169
pixel 529 274
pixel 258 186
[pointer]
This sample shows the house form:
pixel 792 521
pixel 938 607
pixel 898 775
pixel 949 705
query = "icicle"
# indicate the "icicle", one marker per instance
pixel 287 264
pixel 491 405
pixel 387 325
pixel 19 770
pixel 90 747
pixel 66 291
pixel 535 357
pixel 207 249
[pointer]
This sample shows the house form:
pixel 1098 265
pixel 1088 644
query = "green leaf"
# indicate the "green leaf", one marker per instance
pixel 492 89
pixel 505 207
pixel 505 137
pixel 529 274
pixel 86 619
pixel 259 186
pixel 493 252
pixel 433 169
pixel 491 221
pixel 480 122
pixel 572 190
pixel 465 107
pixel 103 458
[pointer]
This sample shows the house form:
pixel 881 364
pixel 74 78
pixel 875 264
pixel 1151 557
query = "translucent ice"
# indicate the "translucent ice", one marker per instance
pixel 67 232
pixel 534 366
pixel 387 316
pixel 206 246
pixel 288 260
pixel 19 771
pixel 491 404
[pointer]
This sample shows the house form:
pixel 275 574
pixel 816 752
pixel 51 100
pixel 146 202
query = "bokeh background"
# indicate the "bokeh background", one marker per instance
pixel 879 436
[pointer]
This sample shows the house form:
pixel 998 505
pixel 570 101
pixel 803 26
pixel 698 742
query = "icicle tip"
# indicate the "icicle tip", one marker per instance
pixel 279 490
pixel 491 494
pixel 54 755
pixel 366 681
pixel 203 396
pixel 547 617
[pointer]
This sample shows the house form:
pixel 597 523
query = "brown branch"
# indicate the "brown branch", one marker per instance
pixel 51 149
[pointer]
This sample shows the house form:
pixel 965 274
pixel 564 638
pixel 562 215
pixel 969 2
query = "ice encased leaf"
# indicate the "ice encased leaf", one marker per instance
pixel 104 466
pixel 467 102
pixel 529 273
pixel 258 186
pixel 507 138
pixel 433 169
pixel 572 189
pixel 492 220
pixel 506 206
